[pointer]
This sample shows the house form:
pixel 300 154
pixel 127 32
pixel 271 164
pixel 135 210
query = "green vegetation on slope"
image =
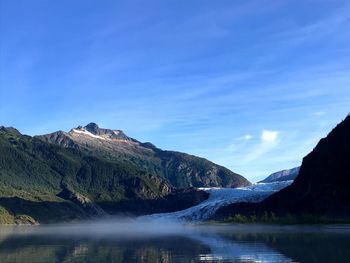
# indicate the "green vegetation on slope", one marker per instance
pixel 33 173
pixel 287 219
pixel 180 170
pixel 5 216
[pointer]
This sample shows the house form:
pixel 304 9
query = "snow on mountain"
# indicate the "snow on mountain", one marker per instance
pixel 284 175
pixel 85 132
pixel 180 170
pixel 92 130
pixel 221 197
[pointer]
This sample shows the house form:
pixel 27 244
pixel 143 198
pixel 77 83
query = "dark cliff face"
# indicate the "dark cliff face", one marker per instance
pixel 322 186
pixel 179 169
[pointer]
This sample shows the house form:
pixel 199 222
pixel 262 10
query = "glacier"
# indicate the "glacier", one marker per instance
pixel 219 197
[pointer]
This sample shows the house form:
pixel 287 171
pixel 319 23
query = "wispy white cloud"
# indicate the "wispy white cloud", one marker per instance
pixel 239 143
pixel 269 136
pixel 207 79
pixel 319 113
pixel 246 137
pixel 268 141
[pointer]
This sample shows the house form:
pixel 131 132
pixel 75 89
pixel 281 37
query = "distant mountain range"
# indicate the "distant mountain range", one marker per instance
pixel 321 190
pixel 91 171
pixel 284 175
pixel 180 170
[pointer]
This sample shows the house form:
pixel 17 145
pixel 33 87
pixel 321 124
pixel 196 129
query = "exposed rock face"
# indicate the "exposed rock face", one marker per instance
pixel 174 201
pixel 322 186
pixel 179 169
pixel 10 130
pixel 284 175
pixel 50 183
pixel 60 138
pixel 138 189
pixel 25 220
pixel 35 176
pixel 104 133
pixel 82 201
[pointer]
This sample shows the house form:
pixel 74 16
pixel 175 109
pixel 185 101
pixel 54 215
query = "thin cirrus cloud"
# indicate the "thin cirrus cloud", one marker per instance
pixel 239 143
pixel 246 137
pixel 251 85
pixel 268 141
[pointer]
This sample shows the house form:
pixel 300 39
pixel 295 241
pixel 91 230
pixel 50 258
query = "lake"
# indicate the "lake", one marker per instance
pixel 136 241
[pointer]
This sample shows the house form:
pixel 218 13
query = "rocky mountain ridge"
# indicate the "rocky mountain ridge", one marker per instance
pixel 91 172
pixel 179 169
pixel 284 175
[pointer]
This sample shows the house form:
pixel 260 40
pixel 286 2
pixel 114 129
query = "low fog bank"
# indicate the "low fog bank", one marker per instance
pixel 136 239
pixel 126 228
pixel 113 227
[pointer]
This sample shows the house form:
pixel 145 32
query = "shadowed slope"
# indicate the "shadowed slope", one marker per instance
pixel 321 188
pixel 179 169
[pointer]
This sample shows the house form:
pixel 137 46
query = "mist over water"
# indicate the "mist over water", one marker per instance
pixel 114 227
pixel 135 240
pixel 178 237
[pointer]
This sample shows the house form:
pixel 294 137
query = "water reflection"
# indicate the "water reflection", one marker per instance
pixel 155 242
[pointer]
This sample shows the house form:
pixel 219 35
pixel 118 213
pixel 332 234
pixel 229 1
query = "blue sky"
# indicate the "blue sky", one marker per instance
pixel 251 85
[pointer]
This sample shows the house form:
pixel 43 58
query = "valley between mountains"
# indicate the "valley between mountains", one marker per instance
pixel 92 172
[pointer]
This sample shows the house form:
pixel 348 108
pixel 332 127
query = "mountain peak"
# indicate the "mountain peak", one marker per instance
pixel 92 127
pixel 10 130
pixel 284 175
pixel 93 130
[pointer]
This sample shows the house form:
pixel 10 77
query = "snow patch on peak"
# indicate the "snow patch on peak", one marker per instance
pixel 85 132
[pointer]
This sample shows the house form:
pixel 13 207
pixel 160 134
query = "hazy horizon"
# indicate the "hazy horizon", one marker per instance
pixel 250 85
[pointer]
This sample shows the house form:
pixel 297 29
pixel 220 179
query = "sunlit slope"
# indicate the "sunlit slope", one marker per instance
pixel 179 169
pixel 33 175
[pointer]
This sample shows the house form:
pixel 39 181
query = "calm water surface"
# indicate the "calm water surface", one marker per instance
pixel 126 241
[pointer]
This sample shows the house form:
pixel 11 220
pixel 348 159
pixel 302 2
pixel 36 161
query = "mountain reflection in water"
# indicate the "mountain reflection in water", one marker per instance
pixel 134 241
